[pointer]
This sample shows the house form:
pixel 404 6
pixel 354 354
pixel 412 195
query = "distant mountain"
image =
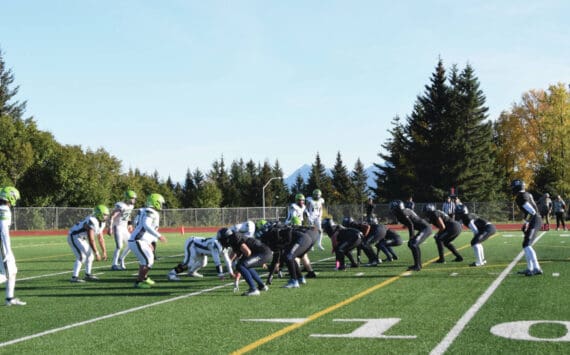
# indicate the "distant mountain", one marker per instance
pixel 305 170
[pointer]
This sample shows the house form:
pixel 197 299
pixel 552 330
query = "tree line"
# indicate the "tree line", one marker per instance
pixel 446 142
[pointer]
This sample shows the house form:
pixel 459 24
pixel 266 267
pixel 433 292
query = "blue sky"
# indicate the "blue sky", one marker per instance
pixel 175 85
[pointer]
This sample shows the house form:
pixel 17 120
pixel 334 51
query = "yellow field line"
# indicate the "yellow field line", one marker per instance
pixel 317 315
pixel 330 309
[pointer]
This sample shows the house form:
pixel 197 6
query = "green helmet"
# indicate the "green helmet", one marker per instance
pixel 130 194
pixel 101 212
pixel 10 194
pixel 299 197
pixel 317 194
pixel 296 221
pixel 259 224
pixel 155 201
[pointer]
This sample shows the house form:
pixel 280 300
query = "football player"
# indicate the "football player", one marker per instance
pixel 196 251
pixel 344 240
pixel 145 233
pixel 448 230
pixel 81 239
pixel 481 229
pixel 315 205
pixel 119 224
pixel 531 225
pixel 249 253
pixel 9 195
pixel 419 230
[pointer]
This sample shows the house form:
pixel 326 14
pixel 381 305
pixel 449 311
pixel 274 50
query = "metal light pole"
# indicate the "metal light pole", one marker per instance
pixel 263 192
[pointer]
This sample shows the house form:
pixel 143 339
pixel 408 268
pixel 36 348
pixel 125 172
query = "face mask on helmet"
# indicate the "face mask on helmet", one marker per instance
pixel 155 201
pixel 396 205
pixel 101 212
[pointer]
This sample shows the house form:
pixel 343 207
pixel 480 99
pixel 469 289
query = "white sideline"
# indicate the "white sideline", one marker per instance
pixel 466 318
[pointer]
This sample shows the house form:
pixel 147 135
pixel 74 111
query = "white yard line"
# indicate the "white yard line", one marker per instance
pixel 466 318
pixel 112 315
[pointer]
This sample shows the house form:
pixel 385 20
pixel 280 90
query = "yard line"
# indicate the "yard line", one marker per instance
pixel 466 318
pixel 112 315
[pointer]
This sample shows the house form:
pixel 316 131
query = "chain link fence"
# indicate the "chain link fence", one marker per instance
pixel 56 218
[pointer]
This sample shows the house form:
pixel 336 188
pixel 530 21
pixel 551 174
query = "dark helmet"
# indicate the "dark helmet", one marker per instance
pixel 223 236
pixel 372 220
pixel 396 205
pixel 328 225
pixel 430 207
pixel 517 186
pixel 461 209
pixel 347 221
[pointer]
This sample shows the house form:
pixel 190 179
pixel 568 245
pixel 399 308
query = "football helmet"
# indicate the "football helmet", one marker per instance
pixel 130 194
pixel 155 201
pixel 347 221
pixel 10 194
pixel 317 194
pixel 517 186
pixel 223 236
pixel 430 207
pixel 101 212
pixel 299 197
pixel 461 209
pixel 396 205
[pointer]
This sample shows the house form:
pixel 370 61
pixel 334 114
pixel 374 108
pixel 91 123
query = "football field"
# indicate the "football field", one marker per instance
pixel 445 308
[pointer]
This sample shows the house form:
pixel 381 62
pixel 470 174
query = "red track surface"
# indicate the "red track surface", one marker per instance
pixel 190 230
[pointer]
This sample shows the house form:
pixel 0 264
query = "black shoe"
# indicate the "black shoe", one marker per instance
pixel 524 272
pixel 440 261
pixel 354 265
pixel 458 259
pixel 395 257
pixel 414 268
pixel 388 259
pixel 311 275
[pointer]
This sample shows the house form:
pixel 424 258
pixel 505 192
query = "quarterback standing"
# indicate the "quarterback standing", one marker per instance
pixel 119 227
pixel 315 205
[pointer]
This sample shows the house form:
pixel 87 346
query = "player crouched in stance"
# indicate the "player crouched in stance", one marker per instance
pixel 481 229
pixel 448 230
pixel 196 251
pixel 344 240
pixel 530 227
pixel 9 195
pixel 288 242
pixel 249 253
pixel 146 233
pixel 414 223
pixel 81 239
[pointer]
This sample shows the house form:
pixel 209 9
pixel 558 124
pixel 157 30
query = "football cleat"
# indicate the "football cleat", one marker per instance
pixel 91 278
pixel 264 288
pixel 173 277
pixel 142 285
pixel 149 281
pixel 251 293
pixel 302 281
pixel 116 268
pixel 292 284
pixel 195 274
pixel 76 279
pixel 15 302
